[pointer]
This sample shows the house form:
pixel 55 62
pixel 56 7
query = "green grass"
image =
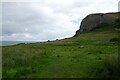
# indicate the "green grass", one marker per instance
pixel 63 58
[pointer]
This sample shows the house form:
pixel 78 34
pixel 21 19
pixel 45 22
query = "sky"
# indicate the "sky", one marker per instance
pixel 42 20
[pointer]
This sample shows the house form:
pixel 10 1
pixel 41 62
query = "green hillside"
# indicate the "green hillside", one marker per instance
pixel 90 54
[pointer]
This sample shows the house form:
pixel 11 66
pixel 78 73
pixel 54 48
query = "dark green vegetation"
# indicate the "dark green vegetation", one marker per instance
pixel 90 54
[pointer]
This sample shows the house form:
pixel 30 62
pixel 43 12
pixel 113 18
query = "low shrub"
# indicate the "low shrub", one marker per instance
pixel 114 40
pixel 89 53
pixel 22 72
pixel 58 56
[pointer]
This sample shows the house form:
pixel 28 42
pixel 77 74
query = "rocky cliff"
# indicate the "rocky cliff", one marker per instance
pixel 93 20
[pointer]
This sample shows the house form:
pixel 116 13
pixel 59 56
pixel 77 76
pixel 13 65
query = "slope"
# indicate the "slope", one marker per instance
pixel 81 56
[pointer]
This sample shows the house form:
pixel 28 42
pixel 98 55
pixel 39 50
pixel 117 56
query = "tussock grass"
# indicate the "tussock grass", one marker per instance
pixel 110 68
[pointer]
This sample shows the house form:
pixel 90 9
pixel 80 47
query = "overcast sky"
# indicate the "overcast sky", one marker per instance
pixel 43 20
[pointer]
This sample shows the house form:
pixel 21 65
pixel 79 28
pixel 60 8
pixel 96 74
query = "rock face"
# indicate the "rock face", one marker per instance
pixel 93 20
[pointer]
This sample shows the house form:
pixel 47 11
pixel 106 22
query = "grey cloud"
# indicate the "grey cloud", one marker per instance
pixel 19 20
pixel 46 19
pixel 17 17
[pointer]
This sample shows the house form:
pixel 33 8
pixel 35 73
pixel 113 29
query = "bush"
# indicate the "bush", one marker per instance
pixel 58 56
pixel 89 53
pixel 114 40
pixel 117 22
pixel 23 72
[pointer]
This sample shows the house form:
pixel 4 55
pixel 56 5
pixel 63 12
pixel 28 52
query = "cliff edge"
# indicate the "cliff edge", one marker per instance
pixel 94 20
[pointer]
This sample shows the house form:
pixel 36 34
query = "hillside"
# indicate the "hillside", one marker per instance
pixel 90 54
pixel 95 20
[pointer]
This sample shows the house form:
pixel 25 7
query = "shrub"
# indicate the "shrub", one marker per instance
pixel 48 41
pixel 114 40
pixel 22 72
pixel 100 52
pixel 58 56
pixel 117 22
pixel 57 39
pixel 99 58
pixel 89 53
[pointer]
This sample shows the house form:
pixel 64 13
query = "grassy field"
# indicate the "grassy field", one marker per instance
pixel 90 54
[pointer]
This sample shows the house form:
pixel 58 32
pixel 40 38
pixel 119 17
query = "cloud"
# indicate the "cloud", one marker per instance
pixel 48 19
pixel 119 6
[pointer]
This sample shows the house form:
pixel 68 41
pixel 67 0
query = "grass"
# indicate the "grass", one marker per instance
pixel 84 55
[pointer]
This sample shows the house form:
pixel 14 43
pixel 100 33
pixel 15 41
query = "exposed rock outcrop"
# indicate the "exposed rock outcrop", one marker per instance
pixel 93 20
